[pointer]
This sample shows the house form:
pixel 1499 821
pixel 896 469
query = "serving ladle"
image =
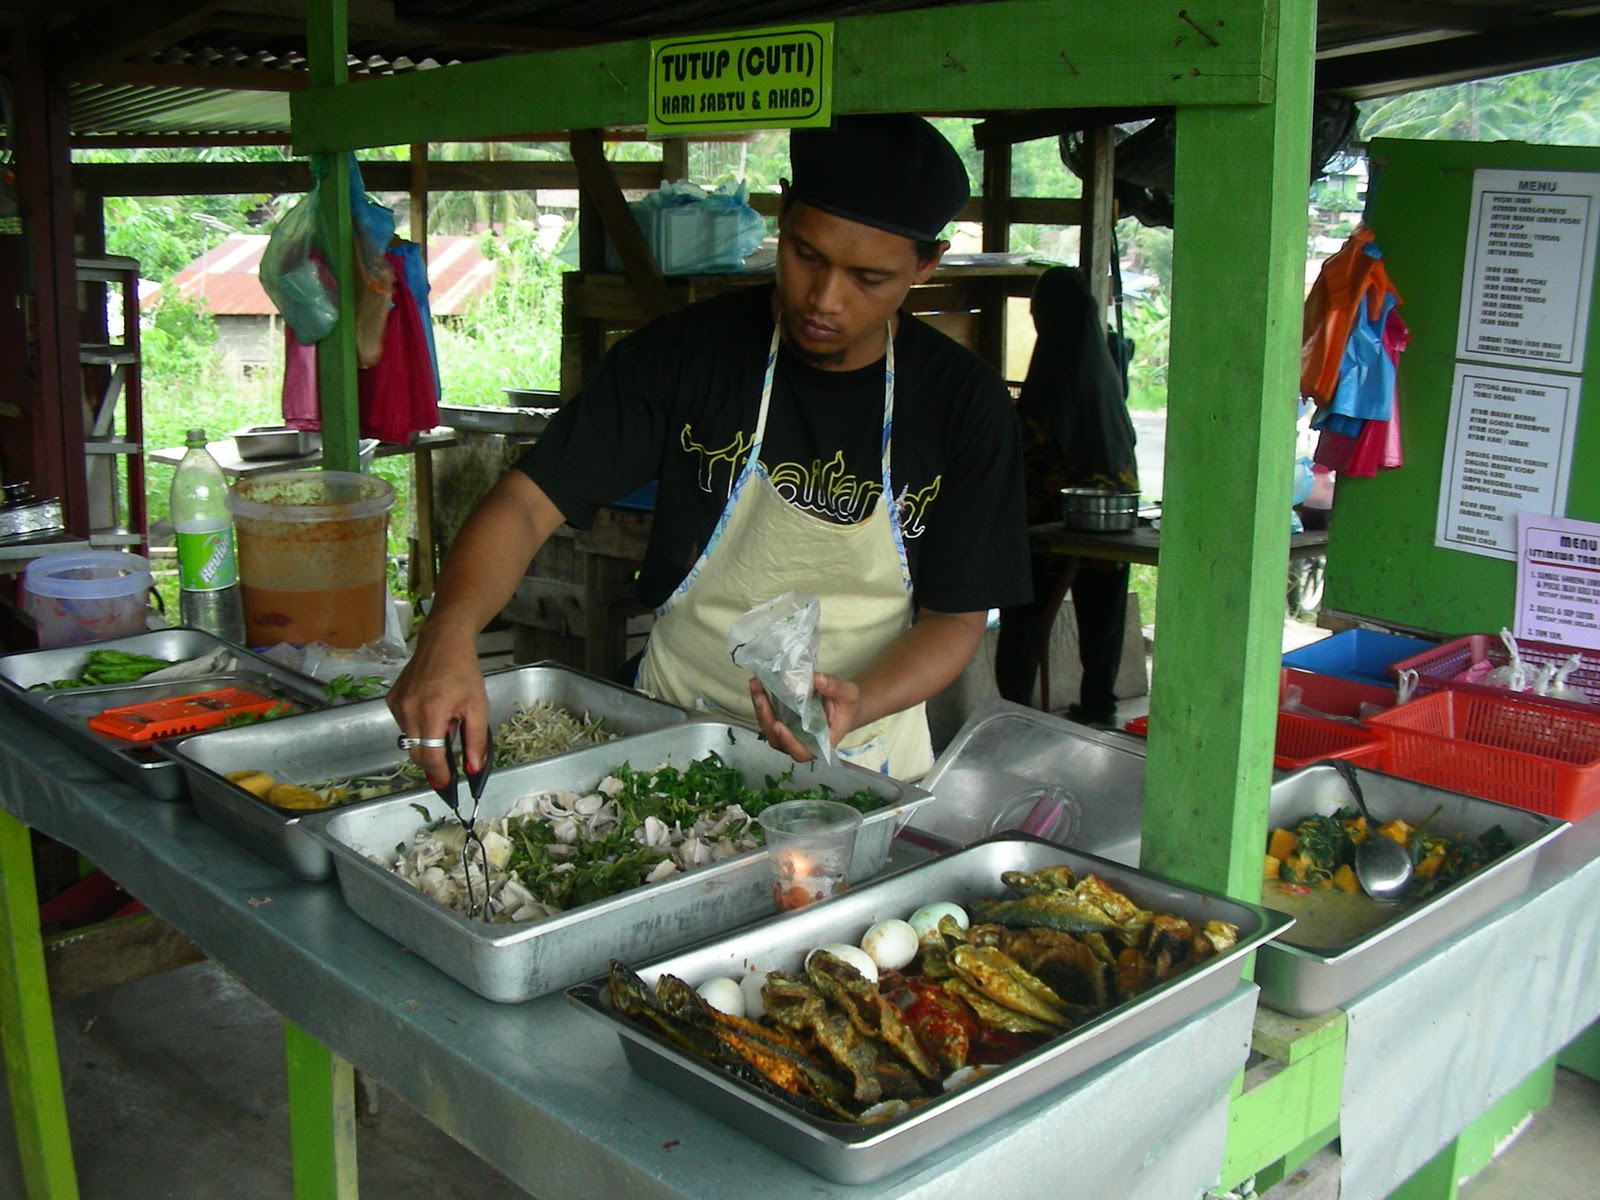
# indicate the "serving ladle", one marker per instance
pixel 1383 866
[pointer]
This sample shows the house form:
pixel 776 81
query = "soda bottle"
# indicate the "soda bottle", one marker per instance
pixel 208 569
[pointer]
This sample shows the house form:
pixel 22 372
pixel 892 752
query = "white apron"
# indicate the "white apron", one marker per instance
pixel 761 547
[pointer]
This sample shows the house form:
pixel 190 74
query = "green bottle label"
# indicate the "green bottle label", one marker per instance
pixel 206 561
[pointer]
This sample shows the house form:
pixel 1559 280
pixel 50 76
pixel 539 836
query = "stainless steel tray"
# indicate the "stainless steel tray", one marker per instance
pixel 1005 754
pixel 359 739
pixel 67 712
pixel 859 1153
pixel 511 963
pixel 1303 981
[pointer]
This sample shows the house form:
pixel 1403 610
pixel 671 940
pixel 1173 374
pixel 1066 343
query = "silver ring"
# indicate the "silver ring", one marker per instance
pixel 407 743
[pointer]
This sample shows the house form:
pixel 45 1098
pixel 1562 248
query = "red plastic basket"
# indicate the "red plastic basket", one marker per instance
pixel 1331 694
pixel 1437 669
pixel 1303 740
pixel 1534 756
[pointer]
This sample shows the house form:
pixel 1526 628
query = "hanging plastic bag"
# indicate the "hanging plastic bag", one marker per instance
pixel 777 643
pixel 372 229
pixel 294 271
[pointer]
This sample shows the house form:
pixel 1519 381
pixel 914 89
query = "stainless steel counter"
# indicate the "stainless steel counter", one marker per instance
pixel 544 1094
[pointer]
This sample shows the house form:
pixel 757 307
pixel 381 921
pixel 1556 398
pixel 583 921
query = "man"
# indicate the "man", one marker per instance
pixel 806 436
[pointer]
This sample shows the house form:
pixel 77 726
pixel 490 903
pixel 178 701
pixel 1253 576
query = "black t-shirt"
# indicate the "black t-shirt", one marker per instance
pixel 677 400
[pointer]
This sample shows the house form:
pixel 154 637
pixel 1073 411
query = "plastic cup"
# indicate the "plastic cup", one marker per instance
pixel 809 847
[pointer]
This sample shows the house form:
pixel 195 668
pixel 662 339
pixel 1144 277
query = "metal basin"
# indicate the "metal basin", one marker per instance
pixel 1099 510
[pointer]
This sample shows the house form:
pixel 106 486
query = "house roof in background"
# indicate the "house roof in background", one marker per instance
pixel 223 70
pixel 227 277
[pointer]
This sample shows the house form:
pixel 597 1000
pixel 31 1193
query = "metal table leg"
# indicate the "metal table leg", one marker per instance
pixel 33 1071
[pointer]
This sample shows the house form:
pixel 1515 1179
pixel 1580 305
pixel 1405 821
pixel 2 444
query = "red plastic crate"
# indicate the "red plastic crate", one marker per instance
pixel 1498 747
pixel 1438 669
pixel 1303 740
pixel 1332 694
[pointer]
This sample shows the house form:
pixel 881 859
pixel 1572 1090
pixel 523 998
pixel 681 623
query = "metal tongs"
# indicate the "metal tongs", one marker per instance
pixel 450 792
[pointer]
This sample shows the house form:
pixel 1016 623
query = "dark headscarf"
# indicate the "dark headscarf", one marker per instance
pixel 1073 389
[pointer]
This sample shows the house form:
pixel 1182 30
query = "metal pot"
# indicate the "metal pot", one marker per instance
pixel 1099 510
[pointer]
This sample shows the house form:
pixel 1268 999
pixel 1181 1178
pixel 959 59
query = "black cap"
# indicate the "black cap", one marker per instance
pixel 894 172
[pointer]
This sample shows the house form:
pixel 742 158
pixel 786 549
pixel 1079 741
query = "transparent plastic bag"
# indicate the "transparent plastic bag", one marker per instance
pixel 295 275
pixel 777 643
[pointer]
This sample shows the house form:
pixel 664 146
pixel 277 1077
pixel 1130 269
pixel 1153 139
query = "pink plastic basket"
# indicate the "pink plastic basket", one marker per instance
pixel 1442 667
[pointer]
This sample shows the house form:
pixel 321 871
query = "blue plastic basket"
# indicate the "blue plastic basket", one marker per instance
pixel 1364 655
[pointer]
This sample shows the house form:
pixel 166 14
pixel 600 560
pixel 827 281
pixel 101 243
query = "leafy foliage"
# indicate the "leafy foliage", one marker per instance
pixel 1558 106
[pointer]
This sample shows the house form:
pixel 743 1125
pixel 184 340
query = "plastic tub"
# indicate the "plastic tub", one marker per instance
pixel 87 596
pixel 313 553
pixel 1329 695
pixel 1365 655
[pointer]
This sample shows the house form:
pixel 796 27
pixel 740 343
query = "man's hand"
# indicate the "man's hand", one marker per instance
pixel 841 700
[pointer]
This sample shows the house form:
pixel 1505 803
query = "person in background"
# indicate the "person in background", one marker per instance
pixel 806 436
pixel 1076 433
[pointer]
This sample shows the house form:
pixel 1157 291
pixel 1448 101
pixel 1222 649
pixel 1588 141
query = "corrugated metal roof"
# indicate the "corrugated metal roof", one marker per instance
pixel 227 277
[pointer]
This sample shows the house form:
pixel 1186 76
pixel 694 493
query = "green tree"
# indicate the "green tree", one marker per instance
pixel 1558 106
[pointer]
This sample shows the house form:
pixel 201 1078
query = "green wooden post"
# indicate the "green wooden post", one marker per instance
pixel 322 1118
pixel 33 1073
pixel 1582 1054
pixel 1238 255
pixel 327 42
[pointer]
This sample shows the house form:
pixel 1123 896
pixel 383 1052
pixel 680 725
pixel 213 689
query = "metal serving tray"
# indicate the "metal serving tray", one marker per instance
pixel 359 739
pixel 1003 758
pixel 1302 981
pixel 67 712
pixel 512 963
pixel 854 1153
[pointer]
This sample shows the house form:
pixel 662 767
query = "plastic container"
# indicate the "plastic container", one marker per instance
pixel 1438 667
pixel 313 553
pixel 1302 740
pixel 87 596
pixel 1365 655
pixel 1531 755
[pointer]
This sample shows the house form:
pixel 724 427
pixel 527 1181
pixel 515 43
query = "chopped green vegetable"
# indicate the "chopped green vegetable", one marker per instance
pixel 108 668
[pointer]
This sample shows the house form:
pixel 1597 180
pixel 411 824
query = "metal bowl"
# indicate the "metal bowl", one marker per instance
pixel 1099 510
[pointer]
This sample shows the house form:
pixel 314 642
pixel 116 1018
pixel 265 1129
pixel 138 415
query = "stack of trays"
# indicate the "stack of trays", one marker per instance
pixel 359 739
pixel 67 712
pixel 511 963
pixel 855 1152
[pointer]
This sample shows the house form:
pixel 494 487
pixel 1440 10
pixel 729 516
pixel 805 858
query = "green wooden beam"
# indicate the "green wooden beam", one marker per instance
pixel 1016 55
pixel 1582 1054
pixel 33 1072
pixel 322 1118
pixel 1286 1107
pixel 327 45
pixel 1237 284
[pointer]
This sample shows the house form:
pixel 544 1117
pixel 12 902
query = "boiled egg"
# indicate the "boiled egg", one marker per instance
pixel 723 994
pixel 854 955
pixel 926 919
pixel 891 944
pixel 751 983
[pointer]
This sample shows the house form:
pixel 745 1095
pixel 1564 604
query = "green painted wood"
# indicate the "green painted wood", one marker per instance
pixel 1019 54
pixel 1381 558
pixel 1283 1113
pixel 327 46
pixel 33 1072
pixel 322 1118
pixel 1237 281
pixel 1289 1039
pixel 1276 1172
pixel 1582 1054
pixel 1440 1178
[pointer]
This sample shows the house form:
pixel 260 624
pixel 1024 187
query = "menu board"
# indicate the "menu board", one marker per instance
pixel 1529 268
pixel 1508 451
pixel 1558 585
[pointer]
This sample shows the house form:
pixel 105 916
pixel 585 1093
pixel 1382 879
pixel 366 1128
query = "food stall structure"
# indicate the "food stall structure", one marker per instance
pixel 544 1105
